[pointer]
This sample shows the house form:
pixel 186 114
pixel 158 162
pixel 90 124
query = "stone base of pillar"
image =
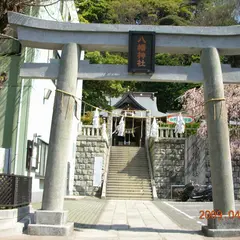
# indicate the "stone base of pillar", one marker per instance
pixel 222 227
pixel 50 223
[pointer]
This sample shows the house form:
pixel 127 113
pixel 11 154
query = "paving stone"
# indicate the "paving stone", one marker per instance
pixel 98 219
pixel 84 212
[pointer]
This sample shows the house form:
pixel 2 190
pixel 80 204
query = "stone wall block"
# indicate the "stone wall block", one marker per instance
pixel 102 145
pixel 96 149
pixel 86 151
pixel 81 177
pixel 89 166
pixel 101 150
pixel 85 177
pixel 82 154
pixel 91 149
pixel 82 166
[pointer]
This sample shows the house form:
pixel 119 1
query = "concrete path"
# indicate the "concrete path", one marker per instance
pixel 127 220
pixel 187 214
pixel 83 212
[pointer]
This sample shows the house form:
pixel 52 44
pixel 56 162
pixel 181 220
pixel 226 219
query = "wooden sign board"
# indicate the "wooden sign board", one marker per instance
pixel 141 52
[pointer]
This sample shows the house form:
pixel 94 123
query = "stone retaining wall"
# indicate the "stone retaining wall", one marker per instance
pixel 177 161
pixel 87 149
pixel 197 164
pixel 167 156
pixel 197 161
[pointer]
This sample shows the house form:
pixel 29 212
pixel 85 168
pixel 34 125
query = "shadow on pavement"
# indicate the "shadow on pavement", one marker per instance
pixel 123 227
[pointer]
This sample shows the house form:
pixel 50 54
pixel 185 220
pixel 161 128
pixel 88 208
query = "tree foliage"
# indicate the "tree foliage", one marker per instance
pixel 216 12
pixel 193 103
pixel 96 92
pixel 154 12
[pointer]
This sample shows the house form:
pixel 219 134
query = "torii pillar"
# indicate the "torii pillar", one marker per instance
pixel 219 148
pixel 52 219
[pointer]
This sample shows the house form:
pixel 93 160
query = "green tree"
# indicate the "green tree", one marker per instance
pixel 93 11
pixel 126 12
pixel 96 92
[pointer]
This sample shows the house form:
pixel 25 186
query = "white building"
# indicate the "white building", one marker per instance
pixel 41 100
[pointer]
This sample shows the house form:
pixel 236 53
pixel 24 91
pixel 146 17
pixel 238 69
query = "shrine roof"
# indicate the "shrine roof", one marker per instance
pixel 139 100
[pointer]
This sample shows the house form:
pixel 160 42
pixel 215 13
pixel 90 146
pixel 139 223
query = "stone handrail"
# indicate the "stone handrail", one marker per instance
pixel 106 166
pixel 167 132
pixel 153 184
pixel 90 131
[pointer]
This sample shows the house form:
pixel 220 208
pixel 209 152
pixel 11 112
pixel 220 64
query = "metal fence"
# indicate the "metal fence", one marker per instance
pixel 15 190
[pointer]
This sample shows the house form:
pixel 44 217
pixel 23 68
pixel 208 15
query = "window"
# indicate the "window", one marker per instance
pixel 42 158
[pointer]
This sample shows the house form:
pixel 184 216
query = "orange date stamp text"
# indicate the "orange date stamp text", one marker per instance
pixel 207 214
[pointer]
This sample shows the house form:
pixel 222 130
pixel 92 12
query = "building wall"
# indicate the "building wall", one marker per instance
pixel 40 110
pixel 12 95
pixel 22 110
pixel 87 150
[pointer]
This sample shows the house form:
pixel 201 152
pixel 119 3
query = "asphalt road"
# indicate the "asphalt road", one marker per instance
pixel 187 214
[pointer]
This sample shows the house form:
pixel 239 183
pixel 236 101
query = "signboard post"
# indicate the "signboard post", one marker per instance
pixel 97 174
pixel 141 52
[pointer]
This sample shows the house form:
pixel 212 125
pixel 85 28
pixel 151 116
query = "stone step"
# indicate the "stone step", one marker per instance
pixel 130 198
pixel 125 160
pixel 127 184
pixel 127 166
pixel 139 160
pixel 145 183
pixel 127 154
pixel 131 164
pixel 129 173
pixel 116 186
pixel 119 159
pixel 130 169
pixel 128 180
pixel 135 151
pixel 127 148
pixel 128 161
pixel 120 190
pixel 127 169
pixel 126 194
pixel 115 154
pixel 120 175
pixel 129 192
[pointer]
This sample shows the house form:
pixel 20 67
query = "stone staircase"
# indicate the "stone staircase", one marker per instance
pixel 128 175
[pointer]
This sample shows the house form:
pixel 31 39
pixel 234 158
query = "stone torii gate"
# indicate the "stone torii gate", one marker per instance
pixel 210 42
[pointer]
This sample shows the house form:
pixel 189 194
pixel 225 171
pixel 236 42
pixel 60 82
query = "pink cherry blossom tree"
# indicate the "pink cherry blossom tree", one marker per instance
pixel 193 103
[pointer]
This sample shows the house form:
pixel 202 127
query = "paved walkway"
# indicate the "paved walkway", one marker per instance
pixel 126 220
pixel 84 212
